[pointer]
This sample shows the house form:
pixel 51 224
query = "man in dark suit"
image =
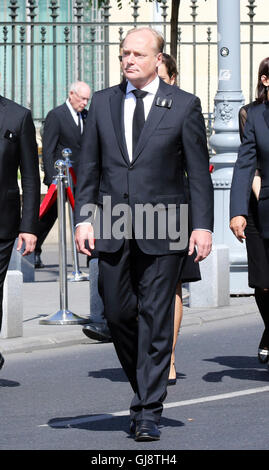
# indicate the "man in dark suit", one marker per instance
pixel 134 152
pixel 18 151
pixel 63 128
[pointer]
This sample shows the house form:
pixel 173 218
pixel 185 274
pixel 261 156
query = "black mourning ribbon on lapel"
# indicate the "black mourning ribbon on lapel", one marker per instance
pixel 139 116
pixel 163 102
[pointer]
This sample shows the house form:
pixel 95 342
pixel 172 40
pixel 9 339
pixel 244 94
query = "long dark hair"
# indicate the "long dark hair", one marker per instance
pixel 171 65
pixel 261 90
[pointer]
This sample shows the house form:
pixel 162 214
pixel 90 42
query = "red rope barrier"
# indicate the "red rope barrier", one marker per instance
pixel 73 174
pixel 48 200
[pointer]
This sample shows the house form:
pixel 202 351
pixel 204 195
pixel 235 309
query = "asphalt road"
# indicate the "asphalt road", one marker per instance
pixel 77 398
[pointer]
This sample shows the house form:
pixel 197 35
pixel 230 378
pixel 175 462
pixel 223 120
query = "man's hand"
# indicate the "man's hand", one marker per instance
pixel 238 225
pixel 30 241
pixel 202 239
pixel 84 232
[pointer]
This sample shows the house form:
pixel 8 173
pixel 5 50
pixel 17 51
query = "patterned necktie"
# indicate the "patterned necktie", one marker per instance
pixel 139 116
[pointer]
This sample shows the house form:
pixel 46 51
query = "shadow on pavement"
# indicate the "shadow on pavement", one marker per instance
pixel 9 383
pixel 115 375
pixel 109 423
pixel 241 367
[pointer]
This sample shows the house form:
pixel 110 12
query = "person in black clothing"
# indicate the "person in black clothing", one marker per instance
pixel 190 270
pixel 136 140
pixel 251 222
pixel 63 128
pixel 18 150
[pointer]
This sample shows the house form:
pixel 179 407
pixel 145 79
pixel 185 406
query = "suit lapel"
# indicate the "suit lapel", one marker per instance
pixel 155 115
pixel 70 119
pixel 2 110
pixel 266 114
pixel 117 113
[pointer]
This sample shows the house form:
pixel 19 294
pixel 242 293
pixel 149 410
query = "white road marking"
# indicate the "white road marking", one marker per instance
pixel 89 419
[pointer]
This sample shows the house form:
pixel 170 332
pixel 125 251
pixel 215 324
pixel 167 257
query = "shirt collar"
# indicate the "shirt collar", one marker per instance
pixel 72 110
pixel 151 87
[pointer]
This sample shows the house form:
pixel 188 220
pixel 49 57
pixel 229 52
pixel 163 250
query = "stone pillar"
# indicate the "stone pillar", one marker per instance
pixel 213 289
pixel 12 323
pixel 225 140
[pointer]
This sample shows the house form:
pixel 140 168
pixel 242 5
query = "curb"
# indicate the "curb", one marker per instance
pixel 65 339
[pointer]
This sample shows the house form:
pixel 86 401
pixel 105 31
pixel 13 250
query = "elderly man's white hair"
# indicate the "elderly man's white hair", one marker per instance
pixel 75 85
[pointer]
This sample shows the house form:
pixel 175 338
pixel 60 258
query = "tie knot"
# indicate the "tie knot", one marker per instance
pixel 139 93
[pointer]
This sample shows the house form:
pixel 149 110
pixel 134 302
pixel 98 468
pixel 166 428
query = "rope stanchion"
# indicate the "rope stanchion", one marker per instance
pixel 77 275
pixel 70 197
pixel 63 316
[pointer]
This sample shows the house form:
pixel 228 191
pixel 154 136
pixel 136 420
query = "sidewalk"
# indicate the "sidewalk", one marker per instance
pixel 42 298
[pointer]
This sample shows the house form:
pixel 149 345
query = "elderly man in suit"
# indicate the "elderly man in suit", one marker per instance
pixel 18 151
pixel 63 128
pixel 139 138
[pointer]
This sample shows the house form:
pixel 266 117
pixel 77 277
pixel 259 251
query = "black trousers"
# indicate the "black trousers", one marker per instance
pixel 5 255
pixel 45 224
pixel 257 249
pixel 138 292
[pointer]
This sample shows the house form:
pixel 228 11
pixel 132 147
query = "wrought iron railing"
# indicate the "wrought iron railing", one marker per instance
pixel 40 57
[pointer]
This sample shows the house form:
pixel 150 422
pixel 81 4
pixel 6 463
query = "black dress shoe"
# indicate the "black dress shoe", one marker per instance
pixel 38 261
pixel 172 381
pixel 2 360
pixel 147 431
pixel 263 355
pixel 97 331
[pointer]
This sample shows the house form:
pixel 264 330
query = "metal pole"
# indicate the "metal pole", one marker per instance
pixel 106 16
pixel 63 316
pixel 54 7
pixel 225 140
pixel 13 7
pixel 76 274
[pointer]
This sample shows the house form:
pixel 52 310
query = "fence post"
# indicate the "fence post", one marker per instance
pixel 54 7
pixel 32 14
pixel 13 14
pixel 106 16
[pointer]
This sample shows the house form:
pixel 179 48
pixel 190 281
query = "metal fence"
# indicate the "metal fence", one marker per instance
pixel 41 55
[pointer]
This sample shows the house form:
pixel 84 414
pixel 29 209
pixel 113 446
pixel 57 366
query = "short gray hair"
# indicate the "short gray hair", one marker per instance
pixel 75 85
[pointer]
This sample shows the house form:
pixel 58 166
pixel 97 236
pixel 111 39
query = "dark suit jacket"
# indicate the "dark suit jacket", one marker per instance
pixel 18 150
pixel 253 153
pixel 60 131
pixel 171 138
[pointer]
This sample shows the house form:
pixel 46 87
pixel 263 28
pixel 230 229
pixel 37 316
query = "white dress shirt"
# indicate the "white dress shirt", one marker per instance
pixel 129 107
pixel 75 114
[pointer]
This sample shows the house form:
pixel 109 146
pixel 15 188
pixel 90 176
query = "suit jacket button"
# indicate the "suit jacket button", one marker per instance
pixel 126 196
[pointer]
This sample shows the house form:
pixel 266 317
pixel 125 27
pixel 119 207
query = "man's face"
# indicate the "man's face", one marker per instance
pixel 140 58
pixel 80 98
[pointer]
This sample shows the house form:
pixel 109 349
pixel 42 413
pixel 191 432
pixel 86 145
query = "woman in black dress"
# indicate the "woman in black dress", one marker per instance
pixel 190 271
pixel 253 159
